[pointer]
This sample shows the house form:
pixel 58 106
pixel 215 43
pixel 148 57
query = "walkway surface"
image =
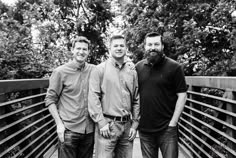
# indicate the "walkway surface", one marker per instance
pixel 136 151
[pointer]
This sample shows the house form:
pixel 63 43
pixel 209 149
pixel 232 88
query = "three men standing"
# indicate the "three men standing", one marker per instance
pixel 67 100
pixel 162 90
pixel 111 96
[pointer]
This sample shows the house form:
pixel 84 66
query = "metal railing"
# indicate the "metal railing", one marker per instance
pixel 26 127
pixel 207 126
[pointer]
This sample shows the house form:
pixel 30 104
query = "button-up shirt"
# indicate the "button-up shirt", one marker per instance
pixel 68 89
pixel 113 90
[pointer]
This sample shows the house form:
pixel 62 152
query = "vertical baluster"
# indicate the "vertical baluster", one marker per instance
pixel 229 94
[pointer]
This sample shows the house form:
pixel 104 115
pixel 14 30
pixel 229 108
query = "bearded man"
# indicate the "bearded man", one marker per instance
pixel 162 89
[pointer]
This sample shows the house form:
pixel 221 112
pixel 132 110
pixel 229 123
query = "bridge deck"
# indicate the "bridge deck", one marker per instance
pixel 136 151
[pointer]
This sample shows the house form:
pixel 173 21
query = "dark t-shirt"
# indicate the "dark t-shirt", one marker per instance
pixel 158 88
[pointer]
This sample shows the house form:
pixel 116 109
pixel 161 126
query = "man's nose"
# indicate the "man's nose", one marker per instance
pixel 153 47
pixel 119 47
pixel 80 51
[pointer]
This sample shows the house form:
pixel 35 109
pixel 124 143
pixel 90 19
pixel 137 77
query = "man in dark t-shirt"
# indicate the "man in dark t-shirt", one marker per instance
pixel 162 89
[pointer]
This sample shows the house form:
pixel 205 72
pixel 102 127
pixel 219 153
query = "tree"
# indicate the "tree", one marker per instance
pixel 196 33
pixel 36 35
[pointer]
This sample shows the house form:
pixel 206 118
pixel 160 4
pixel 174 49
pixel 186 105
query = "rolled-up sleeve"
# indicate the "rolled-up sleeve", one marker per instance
pixel 135 103
pixel 94 103
pixel 54 89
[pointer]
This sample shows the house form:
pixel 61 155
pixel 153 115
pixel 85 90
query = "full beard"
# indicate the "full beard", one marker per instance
pixel 154 56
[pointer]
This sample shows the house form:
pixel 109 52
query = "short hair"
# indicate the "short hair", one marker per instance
pixel 114 37
pixel 153 34
pixel 81 39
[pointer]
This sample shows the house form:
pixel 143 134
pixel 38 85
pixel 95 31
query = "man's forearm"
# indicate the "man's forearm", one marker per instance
pixel 178 108
pixel 60 126
pixel 54 112
pixel 135 108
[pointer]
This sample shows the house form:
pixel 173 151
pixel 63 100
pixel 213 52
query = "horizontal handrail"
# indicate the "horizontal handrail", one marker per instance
pixel 53 133
pixel 218 82
pixel 213 97
pixel 25 138
pixel 215 140
pixel 212 117
pixel 216 130
pixel 21 120
pixel 201 131
pixel 212 107
pixel 222 124
pixel 21 99
pixel 30 108
pixel 21 110
pixel 49 145
pixel 197 146
pixel 199 139
pixel 189 147
pixel 22 130
pixel 7 86
pixel 32 142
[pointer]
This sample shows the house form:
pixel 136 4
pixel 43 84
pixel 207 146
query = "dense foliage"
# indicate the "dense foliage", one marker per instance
pixel 36 35
pixel 198 33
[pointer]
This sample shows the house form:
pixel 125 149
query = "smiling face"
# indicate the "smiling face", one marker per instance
pixel 80 51
pixel 118 48
pixel 153 49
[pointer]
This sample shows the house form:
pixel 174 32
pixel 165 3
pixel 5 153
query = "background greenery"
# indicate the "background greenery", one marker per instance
pixel 35 35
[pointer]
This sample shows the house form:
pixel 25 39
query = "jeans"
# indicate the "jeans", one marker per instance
pixel 76 145
pixel 167 141
pixel 118 145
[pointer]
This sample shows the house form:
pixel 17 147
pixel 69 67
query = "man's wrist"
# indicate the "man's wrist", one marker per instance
pixel 173 123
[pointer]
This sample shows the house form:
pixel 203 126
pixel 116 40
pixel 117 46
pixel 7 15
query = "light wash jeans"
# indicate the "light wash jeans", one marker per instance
pixel 76 145
pixel 167 141
pixel 118 145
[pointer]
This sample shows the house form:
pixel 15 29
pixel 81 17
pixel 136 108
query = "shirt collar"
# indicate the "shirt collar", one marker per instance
pixel 147 63
pixel 76 66
pixel 116 64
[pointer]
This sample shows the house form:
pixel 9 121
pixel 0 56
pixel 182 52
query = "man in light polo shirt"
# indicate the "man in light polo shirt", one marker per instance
pixel 114 102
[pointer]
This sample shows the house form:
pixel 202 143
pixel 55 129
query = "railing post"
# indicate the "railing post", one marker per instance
pixel 2 121
pixel 190 88
pixel 35 118
pixel 193 122
pixel 229 94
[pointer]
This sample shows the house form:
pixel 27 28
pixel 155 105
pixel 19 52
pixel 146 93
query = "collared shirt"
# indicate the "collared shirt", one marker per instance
pixel 68 89
pixel 158 88
pixel 113 90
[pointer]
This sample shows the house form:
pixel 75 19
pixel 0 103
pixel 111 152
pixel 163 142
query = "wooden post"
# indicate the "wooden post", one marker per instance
pixel 229 94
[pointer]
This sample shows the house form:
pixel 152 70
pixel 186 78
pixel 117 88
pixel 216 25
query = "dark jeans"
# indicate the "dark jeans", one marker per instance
pixel 167 141
pixel 76 145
